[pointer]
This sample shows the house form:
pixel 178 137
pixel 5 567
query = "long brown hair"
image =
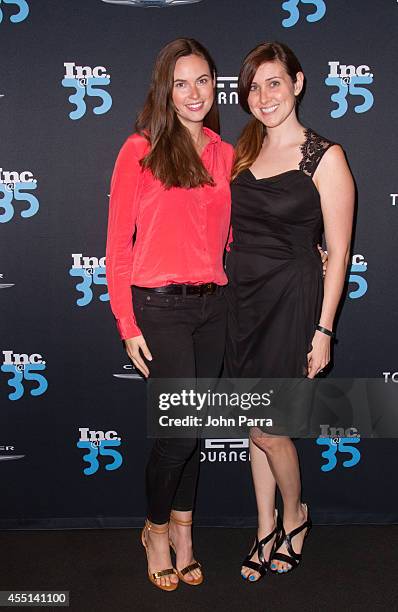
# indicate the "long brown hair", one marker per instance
pixel 252 136
pixel 173 158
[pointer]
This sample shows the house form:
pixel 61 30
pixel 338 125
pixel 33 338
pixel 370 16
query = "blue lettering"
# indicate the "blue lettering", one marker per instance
pixel 84 286
pixel 358 280
pixel 18 193
pixel 22 14
pixel 339 97
pixel 292 7
pixel 99 278
pixel 344 445
pixel 94 90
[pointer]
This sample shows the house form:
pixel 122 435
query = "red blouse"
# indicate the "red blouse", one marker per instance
pixel 180 234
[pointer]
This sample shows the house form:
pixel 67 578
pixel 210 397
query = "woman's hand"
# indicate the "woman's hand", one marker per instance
pixel 319 357
pixel 133 348
pixel 324 258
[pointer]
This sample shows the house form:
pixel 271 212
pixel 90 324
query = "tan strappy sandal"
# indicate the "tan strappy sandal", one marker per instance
pixel 153 576
pixel 195 565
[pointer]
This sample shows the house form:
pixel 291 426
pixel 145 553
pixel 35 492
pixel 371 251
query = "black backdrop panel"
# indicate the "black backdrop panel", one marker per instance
pixel 72 77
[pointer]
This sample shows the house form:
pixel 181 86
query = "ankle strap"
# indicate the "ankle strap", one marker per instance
pixel 179 522
pixel 155 528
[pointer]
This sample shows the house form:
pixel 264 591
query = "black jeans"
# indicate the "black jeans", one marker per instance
pixel 186 338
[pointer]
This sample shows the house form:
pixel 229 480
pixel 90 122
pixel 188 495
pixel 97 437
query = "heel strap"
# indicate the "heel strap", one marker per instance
pixel 180 522
pixel 155 529
pixel 286 538
pixel 263 542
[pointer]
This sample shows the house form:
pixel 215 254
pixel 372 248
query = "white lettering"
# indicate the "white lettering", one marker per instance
pixel 358 259
pixel 87 262
pixel 363 70
pixel 77 260
pixel 99 71
pixel 7 176
pixel 111 435
pixel 333 69
pixel 83 72
pixel 390 375
pixel 347 71
pixel 11 358
pixel 69 74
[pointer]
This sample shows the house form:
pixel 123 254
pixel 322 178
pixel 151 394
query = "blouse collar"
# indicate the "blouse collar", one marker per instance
pixel 214 137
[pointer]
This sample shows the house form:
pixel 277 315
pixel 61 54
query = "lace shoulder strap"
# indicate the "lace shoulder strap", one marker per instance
pixel 312 151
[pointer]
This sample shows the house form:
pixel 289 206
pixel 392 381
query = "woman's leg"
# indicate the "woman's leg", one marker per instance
pixel 209 345
pixel 283 461
pixel 168 333
pixel 265 489
pixel 167 462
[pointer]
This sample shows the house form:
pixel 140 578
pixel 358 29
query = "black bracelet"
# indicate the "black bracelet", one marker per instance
pixel 326 331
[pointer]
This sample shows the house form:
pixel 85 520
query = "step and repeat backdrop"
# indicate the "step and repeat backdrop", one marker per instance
pixel 73 75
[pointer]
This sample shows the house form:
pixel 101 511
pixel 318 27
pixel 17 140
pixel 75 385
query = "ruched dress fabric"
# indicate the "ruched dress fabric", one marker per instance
pixel 275 282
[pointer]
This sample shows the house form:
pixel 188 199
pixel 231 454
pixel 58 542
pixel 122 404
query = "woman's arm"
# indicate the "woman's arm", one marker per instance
pixel 334 182
pixel 119 245
pixel 123 207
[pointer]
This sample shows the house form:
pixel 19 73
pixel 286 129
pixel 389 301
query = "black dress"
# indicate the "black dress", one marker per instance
pixel 275 287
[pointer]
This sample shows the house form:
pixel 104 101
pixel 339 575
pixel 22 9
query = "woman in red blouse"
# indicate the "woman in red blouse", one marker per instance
pixel 168 226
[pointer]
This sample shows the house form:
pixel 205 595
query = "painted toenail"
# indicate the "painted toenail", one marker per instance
pixel 252 577
pixel 280 571
pixel 273 565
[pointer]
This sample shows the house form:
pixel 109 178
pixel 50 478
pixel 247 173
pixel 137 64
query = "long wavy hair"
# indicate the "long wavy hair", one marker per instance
pixel 173 158
pixel 252 136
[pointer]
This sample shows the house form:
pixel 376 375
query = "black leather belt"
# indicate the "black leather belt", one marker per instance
pixel 205 289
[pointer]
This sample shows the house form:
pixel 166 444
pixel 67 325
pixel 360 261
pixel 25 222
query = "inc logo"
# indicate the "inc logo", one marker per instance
pixel 92 272
pixel 99 443
pixel 349 80
pixel 358 266
pixel 24 367
pixel 86 81
pixel 21 15
pixel 292 7
pixel 14 187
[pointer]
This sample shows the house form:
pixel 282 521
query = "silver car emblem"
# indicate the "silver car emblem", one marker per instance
pixel 151 3
pixel 10 457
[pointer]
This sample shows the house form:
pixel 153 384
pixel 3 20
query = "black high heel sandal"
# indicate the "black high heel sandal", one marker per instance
pixel 258 547
pixel 292 558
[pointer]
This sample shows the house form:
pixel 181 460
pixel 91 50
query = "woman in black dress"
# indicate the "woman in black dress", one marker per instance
pixel 289 183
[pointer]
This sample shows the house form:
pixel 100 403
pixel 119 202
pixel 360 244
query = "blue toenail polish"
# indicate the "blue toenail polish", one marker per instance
pixel 252 577
pixel 280 571
pixel 273 565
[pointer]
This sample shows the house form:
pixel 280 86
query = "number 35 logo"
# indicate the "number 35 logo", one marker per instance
pixel 339 445
pixel 22 13
pixel 89 276
pixel 353 86
pixel 17 192
pixel 91 457
pixel 292 7
pixel 92 87
pixel 27 372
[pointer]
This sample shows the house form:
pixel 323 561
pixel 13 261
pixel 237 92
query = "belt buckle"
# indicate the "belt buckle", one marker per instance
pixel 206 289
